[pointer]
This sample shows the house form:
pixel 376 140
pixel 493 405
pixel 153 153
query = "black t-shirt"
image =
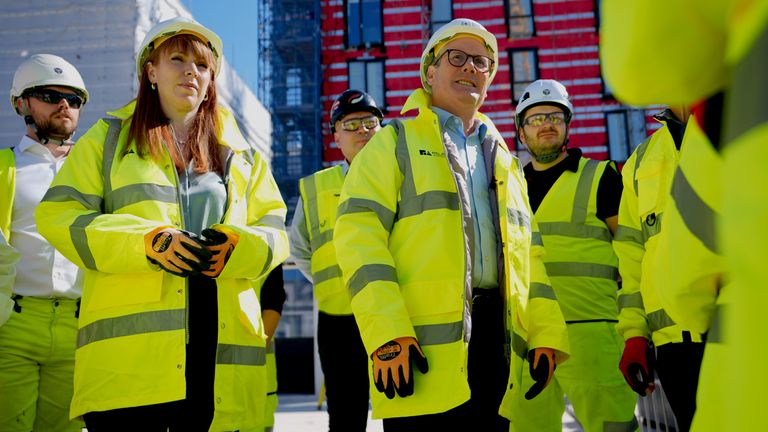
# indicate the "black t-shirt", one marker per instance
pixel 608 190
pixel 273 291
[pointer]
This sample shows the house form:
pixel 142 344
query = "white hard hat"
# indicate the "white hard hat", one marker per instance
pixel 42 70
pixel 448 32
pixel 543 91
pixel 164 30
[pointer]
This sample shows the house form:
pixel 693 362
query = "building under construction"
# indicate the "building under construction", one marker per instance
pixel 290 76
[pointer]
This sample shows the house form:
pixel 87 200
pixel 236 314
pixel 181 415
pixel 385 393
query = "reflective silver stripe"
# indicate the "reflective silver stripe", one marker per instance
pixel 715 334
pixel 314 218
pixel 519 218
pixel 640 153
pixel 634 300
pixel 540 290
pixel 136 193
pixel 651 230
pixel 582 269
pixel 583 190
pixel 430 200
pixel 408 188
pixel 625 233
pixel 371 273
pixel 320 239
pixel 271 346
pixel 568 229
pixel 659 319
pixel 272 221
pixel 270 247
pixel 519 346
pixel 326 274
pixel 80 238
pixel 697 215
pixel 536 239
pixel 628 426
pixel 129 325
pixel 241 355
pixel 110 148
pixel 68 193
pixel 436 334
pixel 361 205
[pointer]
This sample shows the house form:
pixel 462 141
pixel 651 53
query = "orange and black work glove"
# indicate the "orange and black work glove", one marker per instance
pixel 637 365
pixel 220 243
pixel 177 252
pixel 392 366
pixel 541 362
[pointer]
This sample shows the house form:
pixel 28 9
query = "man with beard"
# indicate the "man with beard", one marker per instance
pixel 576 202
pixel 38 315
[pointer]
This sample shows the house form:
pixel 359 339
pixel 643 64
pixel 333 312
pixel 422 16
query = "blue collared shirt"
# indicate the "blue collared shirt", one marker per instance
pixel 484 266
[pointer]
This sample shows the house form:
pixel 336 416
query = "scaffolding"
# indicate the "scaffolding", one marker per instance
pixel 289 83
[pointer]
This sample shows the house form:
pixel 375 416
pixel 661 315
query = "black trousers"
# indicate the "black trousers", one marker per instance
pixel 488 372
pixel 195 412
pixel 345 366
pixel 678 366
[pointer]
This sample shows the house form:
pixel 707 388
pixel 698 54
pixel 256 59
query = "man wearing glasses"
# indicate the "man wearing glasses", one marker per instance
pixel 576 204
pixel 440 253
pixel 38 316
pixel 355 118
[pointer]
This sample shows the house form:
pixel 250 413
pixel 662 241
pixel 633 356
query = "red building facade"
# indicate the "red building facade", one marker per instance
pixel 376 46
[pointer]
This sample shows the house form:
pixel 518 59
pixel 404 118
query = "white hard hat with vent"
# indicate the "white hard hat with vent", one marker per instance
pixel 450 31
pixel 543 92
pixel 165 30
pixel 41 70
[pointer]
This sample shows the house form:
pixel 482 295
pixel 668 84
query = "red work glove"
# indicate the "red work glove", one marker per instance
pixel 177 252
pixel 541 362
pixel 220 243
pixel 637 364
pixel 392 366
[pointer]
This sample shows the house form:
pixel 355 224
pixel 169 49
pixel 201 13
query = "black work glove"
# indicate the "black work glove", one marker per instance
pixel 541 362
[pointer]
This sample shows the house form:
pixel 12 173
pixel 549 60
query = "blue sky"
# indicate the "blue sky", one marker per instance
pixel 235 23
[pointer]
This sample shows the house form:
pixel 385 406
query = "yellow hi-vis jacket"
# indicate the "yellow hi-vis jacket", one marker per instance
pixel 133 318
pixel 647 178
pixel 7 184
pixel 404 254
pixel 580 261
pixel 320 195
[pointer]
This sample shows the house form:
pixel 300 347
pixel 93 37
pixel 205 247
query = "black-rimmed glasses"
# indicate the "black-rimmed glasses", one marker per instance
pixel 53 97
pixel 458 58
pixel 354 124
pixel 536 120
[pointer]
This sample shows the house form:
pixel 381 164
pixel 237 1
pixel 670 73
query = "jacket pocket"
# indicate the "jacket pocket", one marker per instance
pixel 107 290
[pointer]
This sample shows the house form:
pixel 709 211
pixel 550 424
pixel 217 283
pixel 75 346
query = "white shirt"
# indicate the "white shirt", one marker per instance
pixel 42 270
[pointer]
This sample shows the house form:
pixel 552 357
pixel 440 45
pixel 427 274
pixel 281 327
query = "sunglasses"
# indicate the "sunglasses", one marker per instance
pixel 458 58
pixel 54 97
pixel 354 124
pixel 536 120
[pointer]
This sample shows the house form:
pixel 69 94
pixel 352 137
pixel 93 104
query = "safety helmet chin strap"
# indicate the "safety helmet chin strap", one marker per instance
pixel 42 135
pixel 548 157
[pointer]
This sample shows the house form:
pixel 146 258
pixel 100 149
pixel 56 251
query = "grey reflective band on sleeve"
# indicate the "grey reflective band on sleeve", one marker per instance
pixel 519 346
pixel 272 221
pixel 326 274
pixel 536 239
pixel 244 355
pixel 63 193
pixel 659 319
pixel 437 334
pixel 696 214
pixel 319 239
pixel 129 325
pixel 540 290
pixel 77 232
pixel 110 148
pixel 634 300
pixel 601 271
pixel 362 205
pixel 371 273
pixel 519 218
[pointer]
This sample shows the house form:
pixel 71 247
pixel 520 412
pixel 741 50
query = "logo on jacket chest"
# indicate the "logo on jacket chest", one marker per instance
pixel 423 152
